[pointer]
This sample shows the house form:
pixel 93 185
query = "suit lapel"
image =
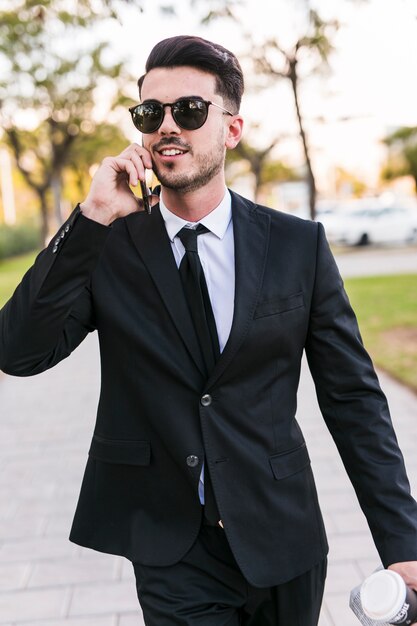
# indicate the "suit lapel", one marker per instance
pixel 251 238
pixel 152 242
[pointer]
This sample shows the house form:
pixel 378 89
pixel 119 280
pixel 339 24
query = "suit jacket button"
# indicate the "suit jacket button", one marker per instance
pixel 206 400
pixel 192 460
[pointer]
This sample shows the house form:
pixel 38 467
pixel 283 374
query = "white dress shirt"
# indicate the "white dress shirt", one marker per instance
pixel 217 255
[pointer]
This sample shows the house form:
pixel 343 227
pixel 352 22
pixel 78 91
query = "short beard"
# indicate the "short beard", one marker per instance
pixel 190 182
pixel 207 167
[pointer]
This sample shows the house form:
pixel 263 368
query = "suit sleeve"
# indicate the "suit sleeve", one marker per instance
pixel 51 311
pixel 357 415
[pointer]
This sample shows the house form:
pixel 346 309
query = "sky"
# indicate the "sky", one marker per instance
pixel 370 90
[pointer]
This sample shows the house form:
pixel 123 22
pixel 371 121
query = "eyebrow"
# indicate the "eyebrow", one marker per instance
pixel 176 99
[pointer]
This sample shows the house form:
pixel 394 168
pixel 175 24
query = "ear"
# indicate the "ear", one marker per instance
pixel 234 132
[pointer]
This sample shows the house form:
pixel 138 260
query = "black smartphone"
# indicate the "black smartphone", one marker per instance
pixel 146 192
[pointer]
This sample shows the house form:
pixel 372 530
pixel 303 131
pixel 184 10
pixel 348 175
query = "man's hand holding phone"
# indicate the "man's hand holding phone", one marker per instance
pixel 110 195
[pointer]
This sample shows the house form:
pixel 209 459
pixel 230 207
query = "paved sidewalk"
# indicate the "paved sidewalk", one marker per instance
pixel 45 428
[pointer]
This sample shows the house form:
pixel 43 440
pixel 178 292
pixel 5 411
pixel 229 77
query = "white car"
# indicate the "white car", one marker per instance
pixel 359 227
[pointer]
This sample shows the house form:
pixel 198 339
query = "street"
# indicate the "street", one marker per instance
pixel 374 261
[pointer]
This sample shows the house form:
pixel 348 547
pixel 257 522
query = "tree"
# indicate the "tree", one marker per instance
pixel 402 159
pixel 53 82
pixel 309 54
pixel 274 61
pixel 262 166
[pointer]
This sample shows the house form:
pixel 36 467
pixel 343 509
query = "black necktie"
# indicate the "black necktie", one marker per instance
pixel 196 292
pixel 195 288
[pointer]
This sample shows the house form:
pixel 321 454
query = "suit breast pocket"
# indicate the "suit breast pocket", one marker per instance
pixel 120 452
pixel 280 305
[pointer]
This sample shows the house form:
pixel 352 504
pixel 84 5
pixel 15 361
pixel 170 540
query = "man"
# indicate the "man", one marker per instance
pixel 197 470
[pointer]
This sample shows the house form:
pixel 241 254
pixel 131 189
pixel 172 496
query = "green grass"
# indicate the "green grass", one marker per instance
pixel 11 272
pixel 386 307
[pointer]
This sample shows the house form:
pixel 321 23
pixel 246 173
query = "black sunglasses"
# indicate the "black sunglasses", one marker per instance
pixel 188 113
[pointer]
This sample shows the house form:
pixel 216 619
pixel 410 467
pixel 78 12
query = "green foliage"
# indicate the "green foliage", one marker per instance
pixel 386 307
pixel 11 273
pixel 90 148
pixel 402 160
pixel 16 240
pixel 51 67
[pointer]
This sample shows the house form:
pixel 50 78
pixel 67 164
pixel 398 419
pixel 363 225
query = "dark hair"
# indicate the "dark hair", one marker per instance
pixel 204 55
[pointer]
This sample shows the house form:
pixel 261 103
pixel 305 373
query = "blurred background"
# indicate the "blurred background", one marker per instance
pixel 331 135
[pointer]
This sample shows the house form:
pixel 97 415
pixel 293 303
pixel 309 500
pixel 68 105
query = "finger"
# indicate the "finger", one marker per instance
pixel 139 165
pixel 127 165
pixel 144 154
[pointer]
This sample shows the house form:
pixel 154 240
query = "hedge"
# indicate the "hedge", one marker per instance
pixel 18 239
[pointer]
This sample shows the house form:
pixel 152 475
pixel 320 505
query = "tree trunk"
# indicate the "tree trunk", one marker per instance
pixel 256 169
pixel 56 186
pixel 44 235
pixel 311 183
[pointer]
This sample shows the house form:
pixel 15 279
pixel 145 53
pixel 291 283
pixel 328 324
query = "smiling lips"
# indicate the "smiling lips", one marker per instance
pixel 168 152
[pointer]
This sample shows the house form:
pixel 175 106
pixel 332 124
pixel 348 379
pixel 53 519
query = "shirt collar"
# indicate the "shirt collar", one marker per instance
pixel 216 221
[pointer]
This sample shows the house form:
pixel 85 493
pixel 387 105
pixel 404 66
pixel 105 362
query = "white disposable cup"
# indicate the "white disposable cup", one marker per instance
pixel 386 598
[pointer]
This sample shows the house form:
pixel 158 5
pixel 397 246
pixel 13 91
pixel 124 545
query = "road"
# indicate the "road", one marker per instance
pixel 373 261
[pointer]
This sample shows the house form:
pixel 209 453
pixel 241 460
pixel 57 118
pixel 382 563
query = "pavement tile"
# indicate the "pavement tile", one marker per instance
pixel 134 619
pixel 103 598
pixel 22 527
pixel 328 521
pixel 351 547
pixel 34 506
pixel 35 549
pixel 14 576
pixel 337 501
pixel 368 566
pixel 31 605
pixel 325 617
pixel 70 571
pixel 58 524
pixel 106 560
pixel 337 605
pixel 333 480
pixel 350 522
pixel 127 570
pixel 109 620
pixel 342 576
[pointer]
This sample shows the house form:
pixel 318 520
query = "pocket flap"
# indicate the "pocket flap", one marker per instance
pixel 279 305
pixel 119 451
pixel 288 463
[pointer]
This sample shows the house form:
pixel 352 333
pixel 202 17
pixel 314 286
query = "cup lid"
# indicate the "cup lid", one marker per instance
pixel 383 595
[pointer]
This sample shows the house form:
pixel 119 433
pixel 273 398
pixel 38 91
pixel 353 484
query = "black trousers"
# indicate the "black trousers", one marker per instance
pixel 207 588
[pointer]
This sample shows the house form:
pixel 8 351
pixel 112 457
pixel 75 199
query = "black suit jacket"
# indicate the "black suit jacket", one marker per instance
pixel 139 493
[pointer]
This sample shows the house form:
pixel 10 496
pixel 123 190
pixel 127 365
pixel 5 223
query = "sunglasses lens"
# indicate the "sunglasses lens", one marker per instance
pixel 147 117
pixel 190 113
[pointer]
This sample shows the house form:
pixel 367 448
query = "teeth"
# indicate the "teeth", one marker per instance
pixel 171 152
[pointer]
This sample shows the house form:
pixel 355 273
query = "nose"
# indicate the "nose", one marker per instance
pixel 168 126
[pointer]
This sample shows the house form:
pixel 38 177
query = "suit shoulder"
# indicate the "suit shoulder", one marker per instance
pixel 287 220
